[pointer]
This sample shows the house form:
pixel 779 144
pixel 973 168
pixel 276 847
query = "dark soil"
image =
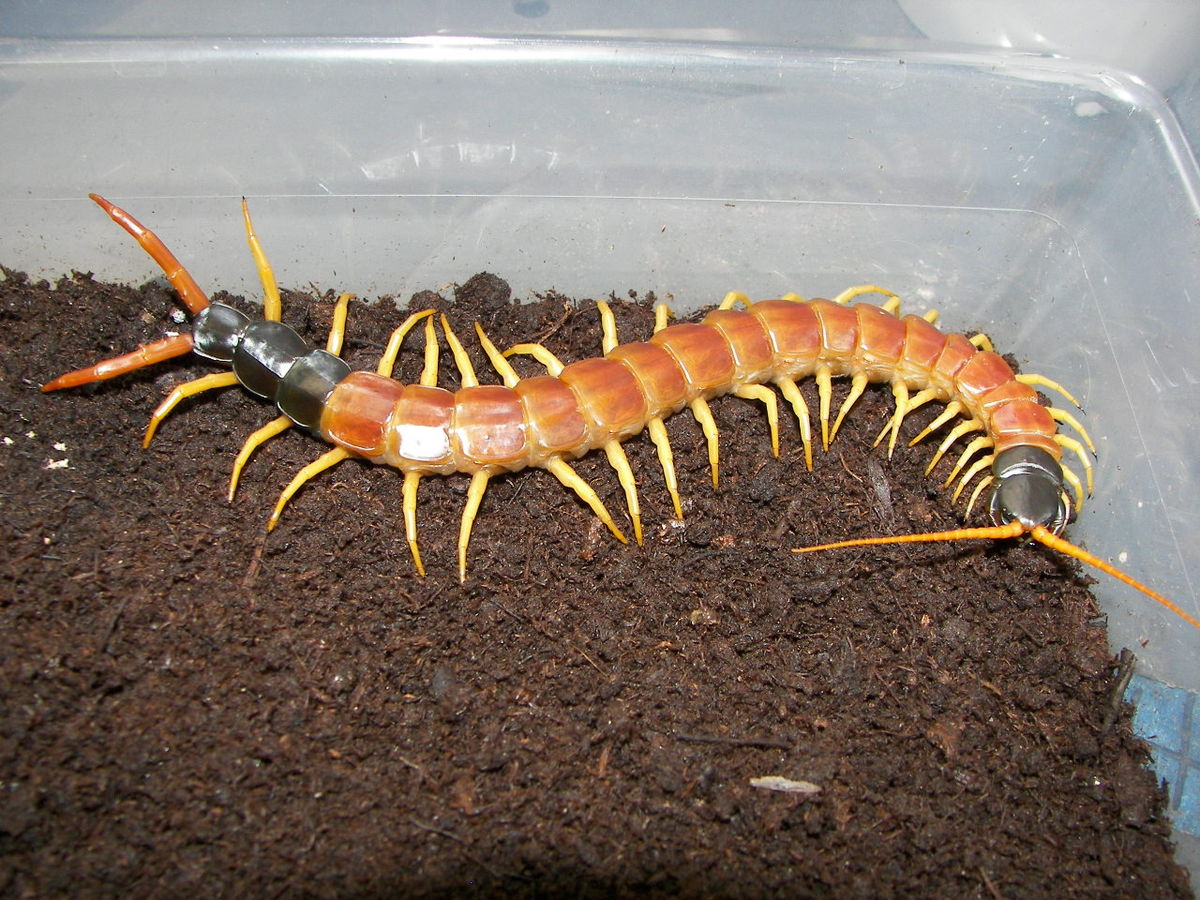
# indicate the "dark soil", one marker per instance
pixel 192 706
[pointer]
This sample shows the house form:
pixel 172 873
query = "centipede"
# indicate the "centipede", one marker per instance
pixel 756 350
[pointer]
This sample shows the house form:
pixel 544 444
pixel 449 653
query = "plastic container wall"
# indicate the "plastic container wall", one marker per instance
pixel 1054 208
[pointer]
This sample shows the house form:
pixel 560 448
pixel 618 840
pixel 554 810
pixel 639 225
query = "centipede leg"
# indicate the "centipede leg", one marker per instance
pixel 182 392
pixel 409 498
pixel 792 395
pixel 479 483
pixel 326 461
pixel 620 463
pixel 570 478
pixel 857 385
pixel 708 425
pixel 824 380
pixel 768 399
pixel 900 395
pixel 666 458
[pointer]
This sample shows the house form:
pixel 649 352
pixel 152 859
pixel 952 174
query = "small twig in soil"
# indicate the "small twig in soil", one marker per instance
pixel 760 743
pixel 1125 663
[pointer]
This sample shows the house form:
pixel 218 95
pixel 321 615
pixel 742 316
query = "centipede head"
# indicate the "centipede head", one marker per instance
pixel 1029 489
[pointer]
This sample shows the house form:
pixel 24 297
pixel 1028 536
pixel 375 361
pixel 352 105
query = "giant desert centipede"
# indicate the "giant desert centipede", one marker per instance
pixel 547 420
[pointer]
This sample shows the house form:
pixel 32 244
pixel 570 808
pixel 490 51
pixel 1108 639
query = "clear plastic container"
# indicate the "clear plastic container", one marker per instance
pixel 1032 198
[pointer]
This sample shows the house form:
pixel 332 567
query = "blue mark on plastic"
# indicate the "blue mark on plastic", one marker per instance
pixel 1168 719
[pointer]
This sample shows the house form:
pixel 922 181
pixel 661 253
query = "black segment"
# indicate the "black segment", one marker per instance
pixel 217 330
pixel 1029 489
pixel 307 385
pixel 264 355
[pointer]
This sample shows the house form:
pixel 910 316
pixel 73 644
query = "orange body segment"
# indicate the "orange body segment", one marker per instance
pixel 357 412
pixel 794 333
pixel 957 351
pixel 985 371
pixel 702 353
pixel 880 342
pixel 839 333
pixel 489 428
pixel 1023 423
pixel 748 341
pixel 610 399
pixel 923 344
pixel 661 380
pixel 555 424
pixel 419 430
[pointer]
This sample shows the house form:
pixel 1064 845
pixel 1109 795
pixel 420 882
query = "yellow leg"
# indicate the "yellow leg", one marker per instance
pixel 709 426
pixel 980 464
pixel 479 483
pixel 858 384
pixel 312 470
pixel 620 463
pixel 1073 480
pixel 571 479
pixel 272 305
pixel 732 299
pixel 466 371
pixel 1061 415
pixel 953 408
pixel 502 366
pixel 662 316
pixel 850 293
pixel 792 395
pixel 1069 443
pixel 965 427
pixel 409 495
pixel 608 329
pixel 552 363
pixel 182 392
pixel 975 495
pixel 257 439
pixel 387 362
pixel 658 434
pixel 900 395
pixel 768 399
pixel 337 328
pixel 1042 381
pixel 974 447
pixel 824 381
pixel 983 342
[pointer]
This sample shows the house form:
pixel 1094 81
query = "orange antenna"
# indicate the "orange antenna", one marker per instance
pixel 1013 529
pixel 145 355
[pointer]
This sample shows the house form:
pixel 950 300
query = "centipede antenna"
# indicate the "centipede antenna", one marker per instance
pixel 185 285
pixel 990 532
pixel 272 305
pixel 143 356
pixel 1047 538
